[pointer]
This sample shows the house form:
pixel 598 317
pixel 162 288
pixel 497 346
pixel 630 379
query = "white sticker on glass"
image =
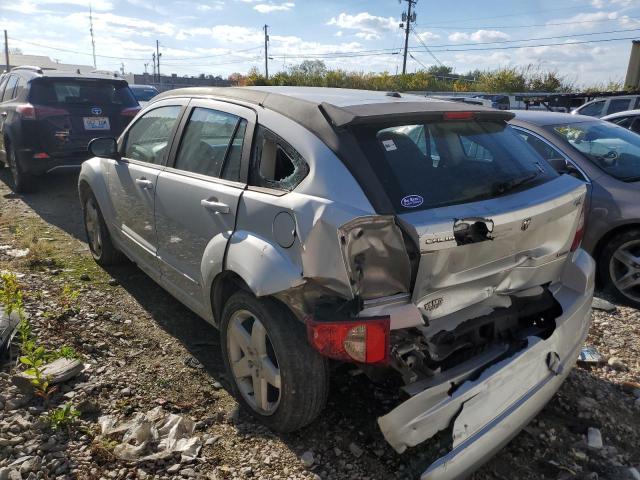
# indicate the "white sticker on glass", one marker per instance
pixel 389 146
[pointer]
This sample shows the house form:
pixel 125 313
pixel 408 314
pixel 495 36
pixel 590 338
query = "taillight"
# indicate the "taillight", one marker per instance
pixel 577 239
pixel 38 112
pixel 458 115
pixel 130 112
pixel 363 341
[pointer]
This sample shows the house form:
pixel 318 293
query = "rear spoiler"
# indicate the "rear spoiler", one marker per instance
pixel 341 117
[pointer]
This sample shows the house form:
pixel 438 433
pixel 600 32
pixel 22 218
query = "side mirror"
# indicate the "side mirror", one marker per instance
pixel 105 147
pixel 560 165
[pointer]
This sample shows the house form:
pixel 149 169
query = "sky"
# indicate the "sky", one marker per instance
pixel 220 37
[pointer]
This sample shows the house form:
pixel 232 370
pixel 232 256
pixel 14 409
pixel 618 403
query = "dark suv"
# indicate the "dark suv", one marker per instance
pixel 47 118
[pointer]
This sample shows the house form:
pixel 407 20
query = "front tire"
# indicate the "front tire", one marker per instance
pixel 22 182
pixel 98 238
pixel 619 266
pixel 275 374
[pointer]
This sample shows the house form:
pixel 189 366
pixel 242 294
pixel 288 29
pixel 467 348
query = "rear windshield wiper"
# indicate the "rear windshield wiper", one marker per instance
pixel 500 188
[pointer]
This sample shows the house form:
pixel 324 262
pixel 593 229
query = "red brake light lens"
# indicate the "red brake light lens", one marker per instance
pixel 130 112
pixel 362 341
pixel 458 115
pixel 38 112
pixel 577 239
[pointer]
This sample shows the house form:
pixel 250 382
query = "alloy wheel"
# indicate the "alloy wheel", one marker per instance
pixel 253 362
pixel 624 269
pixel 92 222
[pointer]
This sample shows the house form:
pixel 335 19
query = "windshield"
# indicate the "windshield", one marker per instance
pixel 450 162
pixel 614 149
pixel 82 92
pixel 144 94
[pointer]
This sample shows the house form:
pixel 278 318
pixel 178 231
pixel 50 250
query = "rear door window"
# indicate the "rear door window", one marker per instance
pixel 275 163
pixel 619 105
pixel 10 87
pixel 593 109
pixel 207 140
pixel 149 137
pixel 623 121
pixel 82 92
pixel 476 161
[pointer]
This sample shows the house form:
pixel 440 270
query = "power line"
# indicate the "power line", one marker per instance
pixel 531 39
pixel 484 27
pixel 537 45
pixel 426 48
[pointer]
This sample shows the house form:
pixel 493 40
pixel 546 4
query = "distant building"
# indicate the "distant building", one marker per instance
pixel 45 62
pixel 169 82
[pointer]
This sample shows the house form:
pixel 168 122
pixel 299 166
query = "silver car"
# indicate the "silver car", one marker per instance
pixel 422 240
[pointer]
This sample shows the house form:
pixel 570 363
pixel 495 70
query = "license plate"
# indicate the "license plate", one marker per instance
pixel 96 123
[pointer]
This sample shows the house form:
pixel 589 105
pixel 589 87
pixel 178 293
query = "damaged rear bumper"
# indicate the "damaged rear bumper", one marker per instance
pixel 487 412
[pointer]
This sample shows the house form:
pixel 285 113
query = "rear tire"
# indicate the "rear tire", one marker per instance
pixel 22 182
pixel 619 267
pixel 265 347
pixel 98 238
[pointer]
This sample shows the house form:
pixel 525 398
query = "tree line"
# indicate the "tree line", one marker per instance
pixel 314 73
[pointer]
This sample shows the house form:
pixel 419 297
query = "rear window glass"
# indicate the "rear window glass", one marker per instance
pixel 144 94
pixel 437 164
pixel 82 92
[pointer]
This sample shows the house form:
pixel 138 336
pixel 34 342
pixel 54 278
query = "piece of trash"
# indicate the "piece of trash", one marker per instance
pixel 58 371
pixel 16 252
pixel 602 304
pixel 594 438
pixel 589 354
pixel 153 435
pixel 193 362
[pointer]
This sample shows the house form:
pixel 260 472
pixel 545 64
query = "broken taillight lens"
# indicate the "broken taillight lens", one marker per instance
pixel 577 239
pixel 362 341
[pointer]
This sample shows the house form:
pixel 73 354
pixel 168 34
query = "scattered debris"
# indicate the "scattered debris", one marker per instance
pixel 193 362
pixel 14 252
pixel 154 435
pixel 594 438
pixel 617 364
pixel 355 450
pixel 589 354
pixel 58 371
pixel 602 304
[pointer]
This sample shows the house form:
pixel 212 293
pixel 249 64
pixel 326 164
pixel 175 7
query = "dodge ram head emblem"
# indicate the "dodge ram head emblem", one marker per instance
pixel 525 224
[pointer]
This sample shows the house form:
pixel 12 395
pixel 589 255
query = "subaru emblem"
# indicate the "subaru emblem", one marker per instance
pixel 96 110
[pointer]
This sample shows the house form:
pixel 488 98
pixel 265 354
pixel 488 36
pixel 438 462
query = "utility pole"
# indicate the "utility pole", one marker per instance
pixel 6 51
pixel 154 66
pixel 93 42
pixel 266 52
pixel 145 68
pixel 158 55
pixel 408 18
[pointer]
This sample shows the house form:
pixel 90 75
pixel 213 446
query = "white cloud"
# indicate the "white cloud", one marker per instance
pixel 272 7
pixel 36 6
pixel 479 36
pixel 369 26
pixel 428 36
pixel 338 33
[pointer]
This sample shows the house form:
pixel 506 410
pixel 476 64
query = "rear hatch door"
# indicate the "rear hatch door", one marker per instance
pixel 72 111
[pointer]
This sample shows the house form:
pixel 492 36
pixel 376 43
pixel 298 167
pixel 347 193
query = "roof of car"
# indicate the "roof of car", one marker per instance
pixel 45 73
pixel 542 119
pixel 312 106
pixel 134 86
pixel 628 113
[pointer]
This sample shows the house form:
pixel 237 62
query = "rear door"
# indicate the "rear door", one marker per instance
pixel 7 108
pixel 132 180
pixel 197 196
pixel 3 116
pixel 616 105
pixel 72 111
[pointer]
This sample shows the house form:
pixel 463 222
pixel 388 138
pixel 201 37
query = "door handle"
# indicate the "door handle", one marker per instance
pixel 215 207
pixel 4 114
pixel 144 183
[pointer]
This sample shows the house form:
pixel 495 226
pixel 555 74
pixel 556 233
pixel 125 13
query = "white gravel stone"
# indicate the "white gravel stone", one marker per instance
pixel 594 438
pixel 307 459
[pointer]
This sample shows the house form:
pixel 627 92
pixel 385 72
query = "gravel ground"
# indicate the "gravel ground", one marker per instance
pixel 142 350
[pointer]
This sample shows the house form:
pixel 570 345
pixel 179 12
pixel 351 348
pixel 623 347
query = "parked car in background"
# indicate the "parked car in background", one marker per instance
pixel 422 240
pixel 144 93
pixel 47 119
pixel 607 158
pixel 628 119
pixel 501 102
pixel 607 106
